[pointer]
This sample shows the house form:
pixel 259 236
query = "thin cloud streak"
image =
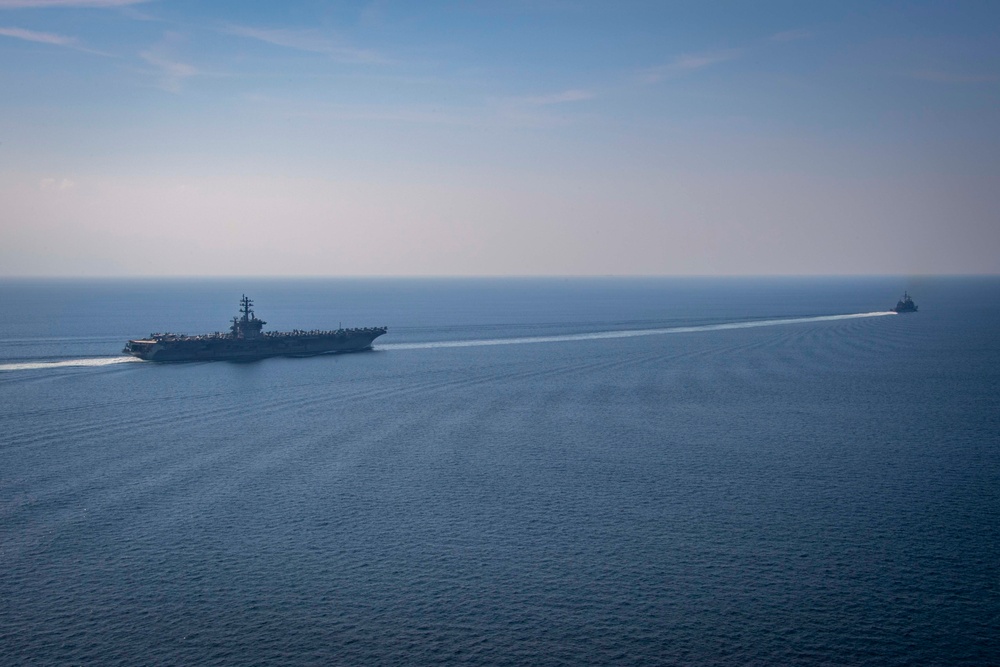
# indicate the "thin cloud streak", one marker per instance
pixel 39 37
pixel 48 38
pixel 687 63
pixel 494 114
pixel 309 41
pixel 536 110
pixel 173 72
pixel 564 97
pixel 55 184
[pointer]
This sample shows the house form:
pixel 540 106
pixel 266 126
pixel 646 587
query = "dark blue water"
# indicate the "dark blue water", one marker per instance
pixel 525 472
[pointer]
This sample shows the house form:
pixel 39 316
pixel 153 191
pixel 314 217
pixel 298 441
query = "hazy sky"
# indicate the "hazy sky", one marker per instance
pixel 256 137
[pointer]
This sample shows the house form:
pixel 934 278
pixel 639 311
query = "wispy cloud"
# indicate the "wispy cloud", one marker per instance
pixel 938 76
pixel 39 4
pixel 310 41
pixel 171 69
pixel 47 38
pixel 539 110
pixel 172 73
pixel 687 63
pixel 40 37
pixel 56 184
pixel 488 113
pixel 566 96
pixel 790 35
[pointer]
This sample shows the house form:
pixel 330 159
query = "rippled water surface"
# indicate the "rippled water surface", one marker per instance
pixel 543 472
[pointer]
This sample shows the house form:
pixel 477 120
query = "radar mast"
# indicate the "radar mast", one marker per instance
pixel 247 326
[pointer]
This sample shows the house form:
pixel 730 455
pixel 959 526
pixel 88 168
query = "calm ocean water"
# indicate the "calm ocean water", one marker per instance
pixel 524 472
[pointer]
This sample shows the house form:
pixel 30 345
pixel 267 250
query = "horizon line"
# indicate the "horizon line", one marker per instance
pixel 492 276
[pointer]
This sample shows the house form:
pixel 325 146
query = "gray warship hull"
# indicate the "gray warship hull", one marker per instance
pixel 905 305
pixel 228 348
pixel 247 341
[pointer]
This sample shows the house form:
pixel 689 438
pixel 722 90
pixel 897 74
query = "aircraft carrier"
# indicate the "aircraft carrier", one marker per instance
pixel 247 341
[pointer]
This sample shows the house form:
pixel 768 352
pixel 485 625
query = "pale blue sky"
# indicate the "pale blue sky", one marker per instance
pixel 174 137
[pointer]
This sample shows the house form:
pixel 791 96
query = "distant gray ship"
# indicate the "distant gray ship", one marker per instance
pixel 905 305
pixel 246 341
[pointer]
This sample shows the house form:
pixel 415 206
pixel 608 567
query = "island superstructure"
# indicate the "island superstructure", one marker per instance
pixel 247 341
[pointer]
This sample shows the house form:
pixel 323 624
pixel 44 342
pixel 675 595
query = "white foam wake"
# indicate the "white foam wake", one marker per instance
pixel 481 342
pixel 628 333
pixel 66 363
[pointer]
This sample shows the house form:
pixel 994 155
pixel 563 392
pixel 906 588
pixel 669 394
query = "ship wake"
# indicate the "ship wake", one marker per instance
pixel 66 363
pixel 483 342
pixel 626 333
